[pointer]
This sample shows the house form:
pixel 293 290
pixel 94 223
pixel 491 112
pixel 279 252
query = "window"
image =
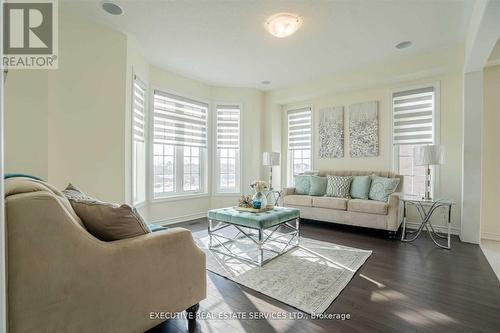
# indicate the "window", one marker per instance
pixel 179 145
pixel 299 141
pixel 414 115
pixel 139 98
pixel 228 149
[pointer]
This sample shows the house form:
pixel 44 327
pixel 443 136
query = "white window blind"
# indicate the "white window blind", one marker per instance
pixel 228 126
pixel 139 99
pixel 299 128
pixel 179 121
pixel 413 116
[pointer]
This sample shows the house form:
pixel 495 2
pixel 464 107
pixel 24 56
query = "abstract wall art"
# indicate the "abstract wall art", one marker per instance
pixel 331 132
pixel 363 129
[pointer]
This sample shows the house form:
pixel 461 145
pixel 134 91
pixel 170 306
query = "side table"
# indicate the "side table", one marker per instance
pixel 426 209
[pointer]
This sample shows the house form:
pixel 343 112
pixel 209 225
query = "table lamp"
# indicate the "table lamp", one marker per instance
pixel 270 159
pixel 427 156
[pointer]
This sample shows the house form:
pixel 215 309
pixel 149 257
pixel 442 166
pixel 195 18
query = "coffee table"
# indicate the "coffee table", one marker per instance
pixel 260 228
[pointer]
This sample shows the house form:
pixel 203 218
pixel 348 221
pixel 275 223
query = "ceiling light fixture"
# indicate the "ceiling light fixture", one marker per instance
pixel 266 82
pixel 112 8
pixel 403 45
pixel 283 24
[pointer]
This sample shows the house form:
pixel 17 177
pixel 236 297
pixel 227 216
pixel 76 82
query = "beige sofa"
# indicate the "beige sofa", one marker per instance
pixel 356 212
pixel 62 279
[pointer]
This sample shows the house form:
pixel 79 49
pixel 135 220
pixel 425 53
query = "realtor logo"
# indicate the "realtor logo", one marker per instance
pixel 30 34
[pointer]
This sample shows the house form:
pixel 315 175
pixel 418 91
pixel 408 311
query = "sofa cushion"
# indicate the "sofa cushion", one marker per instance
pixel 368 206
pixel 330 202
pixel 318 185
pixel 106 221
pixel 360 187
pixel 382 187
pixel 302 184
pixel 298 200
pixel 338 186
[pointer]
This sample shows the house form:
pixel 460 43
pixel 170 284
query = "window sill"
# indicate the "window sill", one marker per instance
pixel 180 197
pixel 139 204
pixel 227 194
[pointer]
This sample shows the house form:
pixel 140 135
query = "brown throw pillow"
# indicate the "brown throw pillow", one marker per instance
pixel 106 221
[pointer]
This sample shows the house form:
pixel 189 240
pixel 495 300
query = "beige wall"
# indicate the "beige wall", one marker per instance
pixel 490 208
pixel 376 84
pixel 26 123
pixel 87 109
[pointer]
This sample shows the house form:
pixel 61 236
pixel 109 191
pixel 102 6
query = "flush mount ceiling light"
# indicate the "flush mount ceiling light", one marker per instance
pixel 112 8
pixel 283 24
pixel 403 45
pixel 265 82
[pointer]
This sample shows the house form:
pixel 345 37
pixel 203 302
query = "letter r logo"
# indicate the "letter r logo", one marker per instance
pixel 28 27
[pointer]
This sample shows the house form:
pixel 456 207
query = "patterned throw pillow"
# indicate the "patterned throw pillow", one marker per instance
pixel 318 185
pixel 382 187
pixel 338 186
pixel 360 187
pixel 302 184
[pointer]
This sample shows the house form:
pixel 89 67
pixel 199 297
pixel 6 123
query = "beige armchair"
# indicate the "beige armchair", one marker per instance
pixel 62 279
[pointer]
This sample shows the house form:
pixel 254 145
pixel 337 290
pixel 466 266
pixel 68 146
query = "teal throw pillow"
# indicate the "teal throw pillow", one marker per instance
pixel 338 186
pixel 360 187
pixel 318 185
pixel 302 184
pixel 382 187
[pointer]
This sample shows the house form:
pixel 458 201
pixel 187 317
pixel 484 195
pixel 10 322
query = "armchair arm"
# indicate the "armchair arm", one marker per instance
pixel 167 266
pixel 394 215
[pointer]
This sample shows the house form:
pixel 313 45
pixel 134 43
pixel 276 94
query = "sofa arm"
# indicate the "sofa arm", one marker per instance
pixel 287 191
pixel 168 264
pixel 394 215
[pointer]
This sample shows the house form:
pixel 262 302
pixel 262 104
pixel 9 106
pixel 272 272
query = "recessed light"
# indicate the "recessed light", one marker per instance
pixel 283 24
pixel 112 8
pixel 266 82
pixel 403 45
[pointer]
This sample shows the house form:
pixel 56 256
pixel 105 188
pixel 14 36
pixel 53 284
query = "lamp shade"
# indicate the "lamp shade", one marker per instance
pixel 270 158
pixel 428 155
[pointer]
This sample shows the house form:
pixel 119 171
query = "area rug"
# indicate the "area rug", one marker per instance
pixel 308 278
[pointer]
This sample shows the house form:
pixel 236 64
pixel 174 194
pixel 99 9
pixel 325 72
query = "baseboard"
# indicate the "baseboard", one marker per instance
pixel 443 229
pixel 179 219
pixel 490 236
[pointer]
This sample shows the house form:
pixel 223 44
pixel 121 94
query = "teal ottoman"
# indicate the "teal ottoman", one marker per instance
pixel 261 228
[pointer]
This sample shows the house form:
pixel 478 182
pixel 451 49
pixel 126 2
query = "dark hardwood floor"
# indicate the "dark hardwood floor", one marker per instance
pixel 403 287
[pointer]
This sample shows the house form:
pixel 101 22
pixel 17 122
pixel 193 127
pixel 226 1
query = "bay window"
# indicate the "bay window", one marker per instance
pixel 227 160
pixel 179 145
pixel 139 98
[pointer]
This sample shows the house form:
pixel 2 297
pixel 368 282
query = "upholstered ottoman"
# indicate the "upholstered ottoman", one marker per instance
pixel 261 228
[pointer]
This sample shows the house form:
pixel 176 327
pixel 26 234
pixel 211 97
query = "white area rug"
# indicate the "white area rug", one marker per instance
pixel 308 278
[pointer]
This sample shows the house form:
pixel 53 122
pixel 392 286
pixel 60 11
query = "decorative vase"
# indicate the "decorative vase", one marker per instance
pixel 259 200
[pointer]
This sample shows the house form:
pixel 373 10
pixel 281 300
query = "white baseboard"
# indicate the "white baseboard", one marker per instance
pixel 490 236
pixel 179 219
pixel 443 229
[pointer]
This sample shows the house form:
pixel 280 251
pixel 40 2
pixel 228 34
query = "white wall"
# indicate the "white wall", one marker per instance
pixel 86 108
pixel 26 122
pixel 490 208
pixel 376 84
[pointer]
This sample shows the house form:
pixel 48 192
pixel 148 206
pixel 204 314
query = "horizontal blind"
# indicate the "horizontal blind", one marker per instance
pixel 413 116
pixel 228 126
pixel 179 121
pixel 139 107
pixel 299 128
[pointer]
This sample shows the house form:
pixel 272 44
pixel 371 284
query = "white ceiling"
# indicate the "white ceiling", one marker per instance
pixel 224 42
